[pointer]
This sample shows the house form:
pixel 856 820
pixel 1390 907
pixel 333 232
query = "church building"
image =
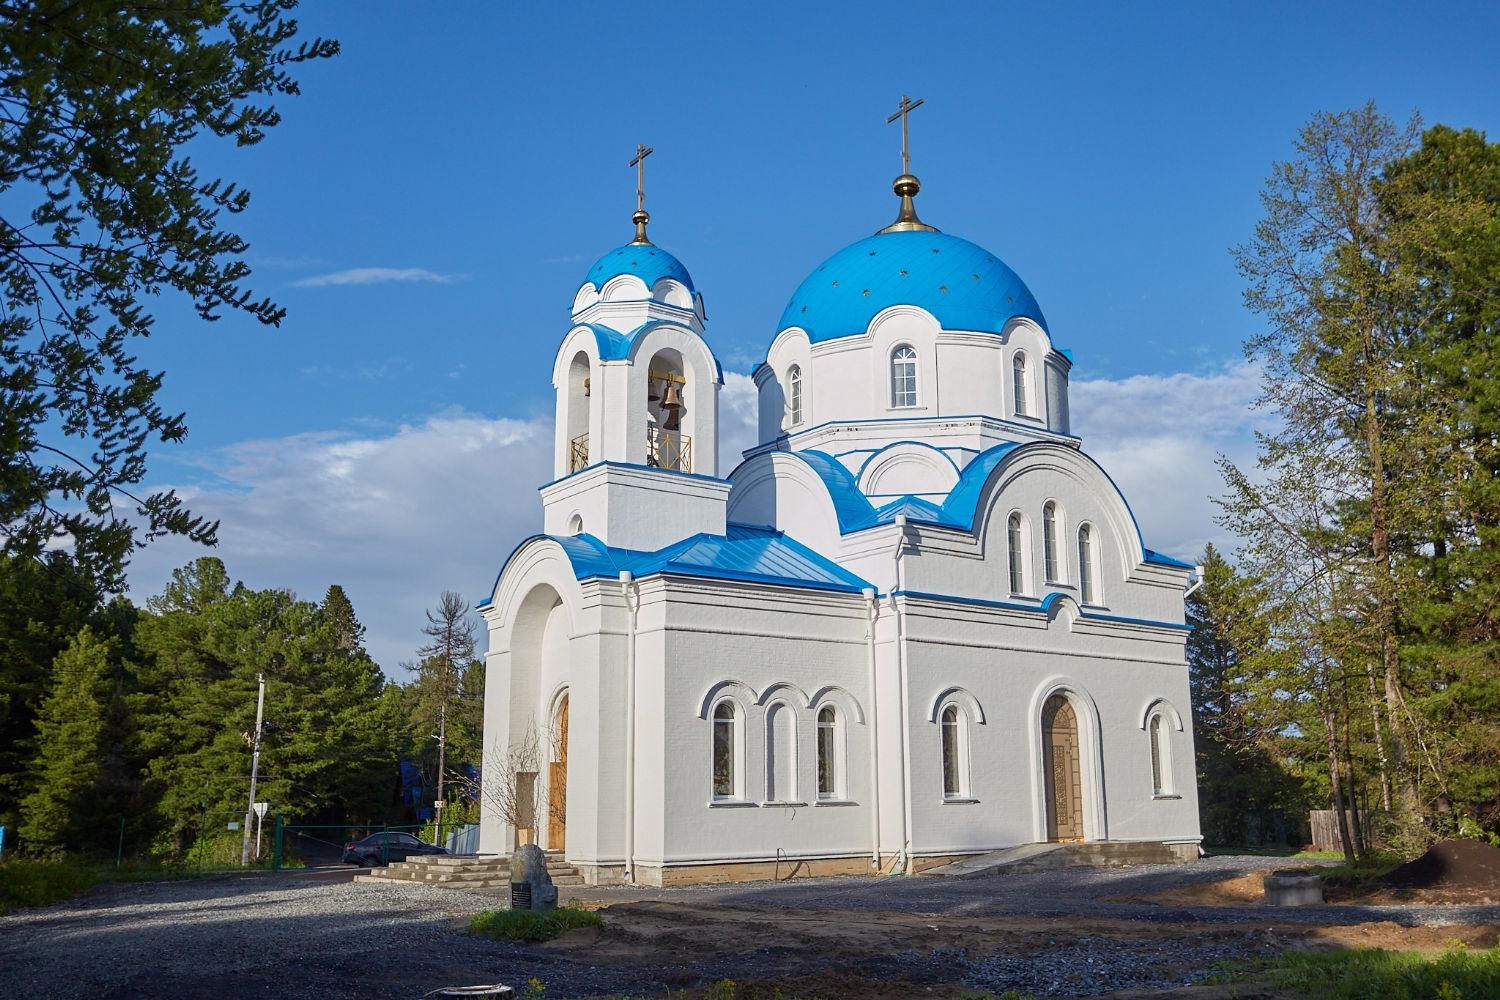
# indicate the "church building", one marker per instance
pixel 916 622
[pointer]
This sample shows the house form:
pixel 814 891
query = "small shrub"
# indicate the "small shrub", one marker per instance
pixel 532 925
pixel 34 882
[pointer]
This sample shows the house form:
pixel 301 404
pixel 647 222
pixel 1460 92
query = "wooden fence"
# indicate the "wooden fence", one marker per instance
pixel 1325 829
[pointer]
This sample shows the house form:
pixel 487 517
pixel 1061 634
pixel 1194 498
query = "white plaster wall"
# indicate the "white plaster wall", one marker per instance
pixel 635 508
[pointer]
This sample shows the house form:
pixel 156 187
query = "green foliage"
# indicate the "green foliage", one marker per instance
pixel 82 775
pixel 532 925
pixel 1376 974
pixel 1248 789
pixel 329 749
pixel 447 698
pixel 37 882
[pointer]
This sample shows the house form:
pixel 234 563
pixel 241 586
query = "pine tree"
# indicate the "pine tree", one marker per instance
pixel 76 744
pixel 348 632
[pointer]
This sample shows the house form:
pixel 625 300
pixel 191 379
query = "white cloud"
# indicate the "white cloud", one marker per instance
pixel 739 408
pixel 1158 436
pixel 395 517
pixel 377 276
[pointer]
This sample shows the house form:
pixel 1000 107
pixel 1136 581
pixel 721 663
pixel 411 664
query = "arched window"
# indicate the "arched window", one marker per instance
pixel 794 396
pixel 1088 588
pixel 1158 780
pixel 1018 382
pixel 725 778
pixel 1015 539
pixel 953 770
pixel 828 783
pixel 1049 542
pixel 781 754
pixel 904 376
pixel 575 524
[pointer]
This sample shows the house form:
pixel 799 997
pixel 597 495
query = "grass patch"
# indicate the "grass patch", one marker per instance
pixel 1376 974
pixel 35 882
pixel 532 925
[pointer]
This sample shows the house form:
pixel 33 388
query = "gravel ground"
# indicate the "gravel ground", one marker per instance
pixel 302 936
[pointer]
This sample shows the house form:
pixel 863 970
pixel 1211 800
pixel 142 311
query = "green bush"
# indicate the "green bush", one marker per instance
pixel 532 925
pixel 1376 974
pixel 35 882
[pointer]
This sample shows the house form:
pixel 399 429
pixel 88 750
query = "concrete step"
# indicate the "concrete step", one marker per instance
pixel 1047 857
pixel 478 884
pixel 567 880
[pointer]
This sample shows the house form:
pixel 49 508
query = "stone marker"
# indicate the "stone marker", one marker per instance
pixel 1293 888
pixel 531 887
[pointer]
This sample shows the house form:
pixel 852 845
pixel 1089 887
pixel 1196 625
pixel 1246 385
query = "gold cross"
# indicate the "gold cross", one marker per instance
pixel 641 152
pixel 906 107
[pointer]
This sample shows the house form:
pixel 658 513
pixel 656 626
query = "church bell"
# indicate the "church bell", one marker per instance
pixel 672 398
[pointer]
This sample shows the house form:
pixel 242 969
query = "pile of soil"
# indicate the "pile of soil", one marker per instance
pixel 1451 864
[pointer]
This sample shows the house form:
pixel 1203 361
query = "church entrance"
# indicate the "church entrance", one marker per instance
pixel 1060 761
pixel 557 781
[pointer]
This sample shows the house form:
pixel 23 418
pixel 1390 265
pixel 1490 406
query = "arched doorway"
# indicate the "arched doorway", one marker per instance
pixel 557 779
pixel 1061 755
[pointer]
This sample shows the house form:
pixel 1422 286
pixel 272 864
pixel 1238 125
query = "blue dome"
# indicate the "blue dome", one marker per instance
pixel 965 286
pixel 646 261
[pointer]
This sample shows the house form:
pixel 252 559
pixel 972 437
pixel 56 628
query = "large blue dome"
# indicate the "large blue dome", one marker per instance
pixel 965 286
pixel 646 261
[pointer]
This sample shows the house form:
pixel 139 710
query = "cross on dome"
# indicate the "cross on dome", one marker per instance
pixel 906 185
pixel 641 217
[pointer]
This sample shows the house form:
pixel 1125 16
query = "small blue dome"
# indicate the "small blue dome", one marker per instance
pixel 646 261
pixel 965 286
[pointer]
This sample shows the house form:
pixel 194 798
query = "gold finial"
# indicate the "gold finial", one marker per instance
pixel 906 185
pixel 641 216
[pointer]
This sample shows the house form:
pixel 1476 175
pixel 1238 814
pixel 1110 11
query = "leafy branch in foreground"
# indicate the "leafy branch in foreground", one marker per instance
pixel 100 212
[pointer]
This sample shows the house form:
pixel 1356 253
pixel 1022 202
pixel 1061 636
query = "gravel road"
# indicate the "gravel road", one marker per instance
pixel 305 936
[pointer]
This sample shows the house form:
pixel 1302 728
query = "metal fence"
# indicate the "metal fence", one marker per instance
pixel 463 839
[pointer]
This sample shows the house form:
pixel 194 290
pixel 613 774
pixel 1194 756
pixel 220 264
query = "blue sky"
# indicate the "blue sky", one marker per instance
pixel 387 436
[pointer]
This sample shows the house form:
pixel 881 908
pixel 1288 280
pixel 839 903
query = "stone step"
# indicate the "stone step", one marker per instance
pixel 478 884
pixel 567 880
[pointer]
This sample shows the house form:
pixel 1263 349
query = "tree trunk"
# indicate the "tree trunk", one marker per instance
pixel 1336 783
pixel 1380 738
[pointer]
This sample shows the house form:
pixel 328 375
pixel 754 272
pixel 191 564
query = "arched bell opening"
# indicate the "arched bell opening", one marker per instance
pixel 580 402
pixel 669 445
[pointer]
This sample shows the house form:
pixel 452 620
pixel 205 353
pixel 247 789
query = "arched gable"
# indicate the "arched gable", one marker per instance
pixel 538 562
pixel 782 490
pixel 908 467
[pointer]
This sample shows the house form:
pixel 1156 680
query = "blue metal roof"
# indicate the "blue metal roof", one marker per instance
pixel 746 552
pixel 965 286
pixel 1162 559
pixel 646 261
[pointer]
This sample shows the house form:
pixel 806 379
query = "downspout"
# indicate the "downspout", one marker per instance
pixel 1197 582
pixel 873 612
pixel 902 857
pixel 632 604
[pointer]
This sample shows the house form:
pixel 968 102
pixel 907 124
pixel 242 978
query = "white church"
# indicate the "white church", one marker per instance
pixel 915 623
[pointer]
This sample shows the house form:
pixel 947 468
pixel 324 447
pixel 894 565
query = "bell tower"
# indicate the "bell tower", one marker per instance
pixel 636 451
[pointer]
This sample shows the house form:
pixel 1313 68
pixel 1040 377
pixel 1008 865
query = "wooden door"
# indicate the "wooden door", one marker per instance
pixel 557 783
pixel 1060 758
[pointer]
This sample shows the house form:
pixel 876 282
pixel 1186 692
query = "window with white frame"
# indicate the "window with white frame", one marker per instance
pixel 1161 756
pixel 955 776
pixel 1088 585
pixel 904 376
pixel 1015 535
pixel 781 753
pixel 794 396
pixel 725 750
pixel 1051 565
pixel 1018 384
pixel 828 763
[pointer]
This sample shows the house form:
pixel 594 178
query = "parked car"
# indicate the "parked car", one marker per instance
pixel 381 848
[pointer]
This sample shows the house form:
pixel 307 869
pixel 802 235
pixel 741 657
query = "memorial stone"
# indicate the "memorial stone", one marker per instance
pixel 531 887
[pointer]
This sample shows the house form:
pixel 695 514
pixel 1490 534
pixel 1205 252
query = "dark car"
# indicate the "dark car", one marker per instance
pixel 381 848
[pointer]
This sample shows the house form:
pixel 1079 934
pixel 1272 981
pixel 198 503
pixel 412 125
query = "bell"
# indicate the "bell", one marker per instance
pixel 673 421
pixel 671 399
pixel 651 394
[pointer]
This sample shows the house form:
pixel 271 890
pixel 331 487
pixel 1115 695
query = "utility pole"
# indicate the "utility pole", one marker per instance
pixel 442 762
pixel 260 708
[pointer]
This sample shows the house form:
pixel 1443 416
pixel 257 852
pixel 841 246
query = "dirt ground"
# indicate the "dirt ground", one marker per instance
pixel 640 934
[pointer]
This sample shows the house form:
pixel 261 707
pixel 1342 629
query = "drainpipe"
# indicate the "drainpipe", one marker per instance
pixel 1197 582
pixel 872 603
pixel 901 698
pixel 632 604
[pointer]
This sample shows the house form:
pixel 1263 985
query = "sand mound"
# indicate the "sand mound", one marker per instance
pixel 1451 864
